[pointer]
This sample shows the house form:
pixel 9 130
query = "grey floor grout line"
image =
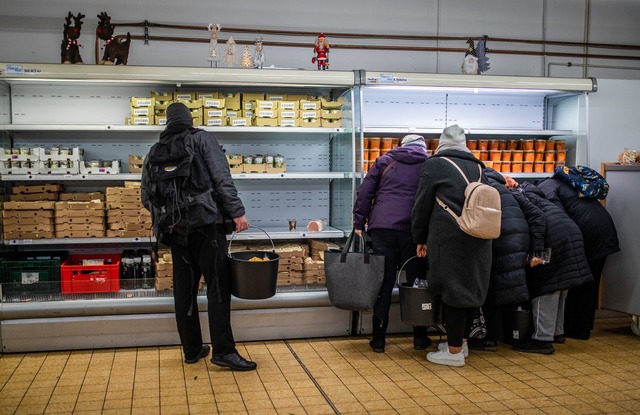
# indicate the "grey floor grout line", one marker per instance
pixel 326 397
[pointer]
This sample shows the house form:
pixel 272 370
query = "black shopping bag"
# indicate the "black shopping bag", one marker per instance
pixel 353 278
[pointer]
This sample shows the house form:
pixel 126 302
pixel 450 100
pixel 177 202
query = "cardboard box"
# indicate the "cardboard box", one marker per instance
pixel 270 169
pixel 28 235
pixel 286 113
pixel 64 213
pixel 81 197
pixel 215 122
pixel 129 192
pixel 39 205
pixel 80 234
pixel 330 123
pixel 40 226
pixel 289 105
pixel 160 120
pixel 142 111
pixel 337 104
pixel 191 103
pixel 142 102
pixel 184 96
pixel 310 114
pixel 297 97
pixel 140 120
pixel 31 197
pixel 124 205
pixel 44 188
pixel 264 105
pixel 275 97
pixel 288 122
pixel 83 206
pixel 201 95
pixel 31 220
pixel 128 226
pixel 161 96
pixel 310 105
pixel 213 102
pixel 23 214
pixel 197 113
pixel 236 169
pixel 232 101
pixel 254 168
pixel 247 97
pixel 331 114
pixel 214 112
pixel 233 113
pixel 239 122
pixel 80 219
pixel 161 106
pixel 310 122
pixel 62 228
pixel 112 168
pixel 127 234
pixel 135 164
pixel 265 122
pixel 264 113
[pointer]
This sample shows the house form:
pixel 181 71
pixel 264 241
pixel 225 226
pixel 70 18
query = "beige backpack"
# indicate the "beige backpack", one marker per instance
pixel 481 213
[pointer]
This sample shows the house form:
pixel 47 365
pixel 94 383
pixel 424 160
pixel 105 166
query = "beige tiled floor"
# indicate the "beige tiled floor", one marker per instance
pixel 333 375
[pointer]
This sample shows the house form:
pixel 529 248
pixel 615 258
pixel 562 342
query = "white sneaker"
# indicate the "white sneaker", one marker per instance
pixel 444 347
pixel 446 358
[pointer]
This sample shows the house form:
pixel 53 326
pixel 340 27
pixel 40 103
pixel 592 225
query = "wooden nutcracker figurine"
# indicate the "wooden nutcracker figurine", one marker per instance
pixel 70 49
pixel 321 50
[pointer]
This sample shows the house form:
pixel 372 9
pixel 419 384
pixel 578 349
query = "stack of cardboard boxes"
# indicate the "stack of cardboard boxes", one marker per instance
pixel 30 212
pixel 126 216
pixel 80 215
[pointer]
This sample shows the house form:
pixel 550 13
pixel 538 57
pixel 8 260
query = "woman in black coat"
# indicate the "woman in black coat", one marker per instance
pixel 548 284
pixel 508 285
pixel 459 264
pixel 600 240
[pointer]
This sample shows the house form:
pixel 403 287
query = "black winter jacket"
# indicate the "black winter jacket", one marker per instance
pixel 459 264
pixel 508 266
pixel 224 194
pixel 595 223
pixel 568 266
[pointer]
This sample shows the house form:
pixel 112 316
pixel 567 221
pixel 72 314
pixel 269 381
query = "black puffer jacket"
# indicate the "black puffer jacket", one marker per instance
pixel 459 263
pixel 224 191
pixel 595 223
pixel 568 267
pixel 508 266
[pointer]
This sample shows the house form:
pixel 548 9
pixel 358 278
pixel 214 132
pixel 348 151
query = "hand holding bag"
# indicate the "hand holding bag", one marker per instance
pixel 353 278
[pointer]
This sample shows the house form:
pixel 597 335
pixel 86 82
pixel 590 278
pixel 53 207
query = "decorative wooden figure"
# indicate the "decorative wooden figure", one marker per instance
pixel 230 53
pixel 70 49
pixel 116 51
pixel 321 50
pixel 259 58
pixel 213 29
pixel 247 59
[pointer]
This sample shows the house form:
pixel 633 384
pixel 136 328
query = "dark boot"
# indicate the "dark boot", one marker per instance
pixel 379 331
pixel 420 339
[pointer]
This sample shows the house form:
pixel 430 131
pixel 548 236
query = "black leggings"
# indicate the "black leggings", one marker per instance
pixel 458 321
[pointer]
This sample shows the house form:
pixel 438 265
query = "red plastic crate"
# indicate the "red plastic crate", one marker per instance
pixel 81 279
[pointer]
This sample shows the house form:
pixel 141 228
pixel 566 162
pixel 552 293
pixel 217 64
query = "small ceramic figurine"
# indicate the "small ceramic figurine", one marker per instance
pixel 213 42
pixel 259 58
pixel 116 52
pixel 321 50
pixel 70 49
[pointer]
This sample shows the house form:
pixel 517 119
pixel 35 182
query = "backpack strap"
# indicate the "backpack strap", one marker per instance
pixel 444 205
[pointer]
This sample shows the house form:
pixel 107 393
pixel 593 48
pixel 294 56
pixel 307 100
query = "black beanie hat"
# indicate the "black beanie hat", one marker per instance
pixel 179 114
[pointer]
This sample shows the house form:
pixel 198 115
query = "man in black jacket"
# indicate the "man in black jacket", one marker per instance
pixel 202 249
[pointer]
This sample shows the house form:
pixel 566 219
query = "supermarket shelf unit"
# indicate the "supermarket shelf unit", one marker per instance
pixel 324 169
pixel 486 107
pixel 42 105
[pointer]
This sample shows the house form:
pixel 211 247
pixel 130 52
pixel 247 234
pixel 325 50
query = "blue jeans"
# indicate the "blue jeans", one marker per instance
pixel 397 247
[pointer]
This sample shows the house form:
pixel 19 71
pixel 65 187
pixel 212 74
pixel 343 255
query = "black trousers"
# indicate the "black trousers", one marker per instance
pixel 458 321
pixel 397 247
pixel 204 254
pixel 580 306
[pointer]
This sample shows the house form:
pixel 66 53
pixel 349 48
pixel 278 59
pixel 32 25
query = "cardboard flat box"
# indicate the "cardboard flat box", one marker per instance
pixel 214 112
pixel 31 220
pixel 122 191
pixel 161 106
pixel 262 113
pixel 252 96
pixel 233 113
pixel 142 111
pixel 44 188
pixel 331 114
pixel 79 227
pixel 289 250
pixel 135 163
pixel 236 169
pixel 184 96
pixel 128 234
pixel 80 234
pixel 160 120
pixel 201 95
pixel 31 197
pixel 20 214
pixel 128 212
pixel 264 105
pixel 80 205
pixel 130 205
pixel 288 122
pixel 36 205
pixel 78 213
pixel 271 169
pixel 161 96
pixel 289 105
pixel 28 235
pixel 297 97
pixel 80 220
pixel 141 120
pixel 286 113
pixel 310 114
pixel 254 168
pixel 81 197
pixel 191 103
pixel 36 227
pixel 128 226
pixel 275 97
pixel 232 101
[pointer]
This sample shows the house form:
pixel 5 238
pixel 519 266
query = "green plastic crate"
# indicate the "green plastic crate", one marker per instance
pixel 31 275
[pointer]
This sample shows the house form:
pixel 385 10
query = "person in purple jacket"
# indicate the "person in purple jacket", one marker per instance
pixel 383 208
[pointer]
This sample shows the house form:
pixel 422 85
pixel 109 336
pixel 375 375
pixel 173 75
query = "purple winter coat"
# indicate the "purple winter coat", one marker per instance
pixel 386 200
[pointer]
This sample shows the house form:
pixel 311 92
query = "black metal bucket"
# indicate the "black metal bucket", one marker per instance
pixel 257 279
pixel 417 306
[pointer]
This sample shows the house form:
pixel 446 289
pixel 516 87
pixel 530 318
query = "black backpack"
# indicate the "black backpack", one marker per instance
pixel 181 194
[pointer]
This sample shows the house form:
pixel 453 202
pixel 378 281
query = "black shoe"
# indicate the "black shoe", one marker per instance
pixel 560 339
pixel 535 346
pixel 421 344
pixel 482 344
pixel 377 345
pixel 204 352
pixel 234 362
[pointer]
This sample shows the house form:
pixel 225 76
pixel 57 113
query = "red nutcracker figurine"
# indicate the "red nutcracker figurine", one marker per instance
pixel 321 49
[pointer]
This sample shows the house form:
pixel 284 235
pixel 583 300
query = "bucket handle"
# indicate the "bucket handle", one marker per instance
pixel 233 234
pixel 401 268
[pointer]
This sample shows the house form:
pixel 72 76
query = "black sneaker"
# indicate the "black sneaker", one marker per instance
pixel 560 339
pixel 482 344
pixel 376 345
pixel 421 343
pixel 234 362
pixel 535 346
pixel 204 352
